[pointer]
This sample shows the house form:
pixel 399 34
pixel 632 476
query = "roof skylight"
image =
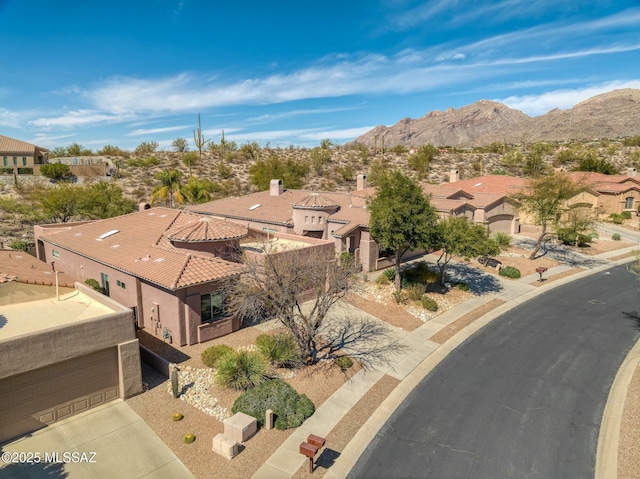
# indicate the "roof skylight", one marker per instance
pixel 108 233
pixel 255 207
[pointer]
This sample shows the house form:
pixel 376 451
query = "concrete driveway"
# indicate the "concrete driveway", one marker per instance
pixel 116 442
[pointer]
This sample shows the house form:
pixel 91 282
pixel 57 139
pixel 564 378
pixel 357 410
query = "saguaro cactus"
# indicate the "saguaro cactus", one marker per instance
pixel 198 138
pixel 174 381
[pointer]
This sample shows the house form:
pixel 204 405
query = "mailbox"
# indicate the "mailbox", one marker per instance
pixel 316 440
pixel 540 270
pixel 308 450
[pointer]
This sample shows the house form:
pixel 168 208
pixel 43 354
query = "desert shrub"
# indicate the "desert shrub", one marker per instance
pixel 382 280
pixel 462 286
pixel 502 239
pixel 347 259
pixel 177 416
pixel 280 349
pixel 390 274
pixel 211 356
pixel 400 297
pixel 22 245
pixel 510 272
pixel 92 283
pixel 615 237
pixel 626 215
pixel 289 407
pixel 415 291
pixel 428 303
pixel 616 218
pixel 242 370
pixel 344 362
pixel 55 171
pixel 189 438
pixel 421 274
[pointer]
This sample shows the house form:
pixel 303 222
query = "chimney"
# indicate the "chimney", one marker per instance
pixel 361 182
pixel 143 206
pixel 454 176
pixel 632 172
pixel 275 188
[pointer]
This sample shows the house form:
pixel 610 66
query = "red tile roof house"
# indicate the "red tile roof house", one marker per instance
pixel 167 265
pixel 339 217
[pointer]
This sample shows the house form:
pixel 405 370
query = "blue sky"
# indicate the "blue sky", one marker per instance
pixel 295 72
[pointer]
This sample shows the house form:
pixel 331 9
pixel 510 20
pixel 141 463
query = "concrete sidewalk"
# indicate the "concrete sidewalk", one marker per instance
pixel 410 368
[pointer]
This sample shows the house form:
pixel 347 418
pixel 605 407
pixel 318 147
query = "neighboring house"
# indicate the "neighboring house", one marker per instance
pixel 59 357
pixel 16 154
pixel 168 265
pixel 338 217
pixel 609 193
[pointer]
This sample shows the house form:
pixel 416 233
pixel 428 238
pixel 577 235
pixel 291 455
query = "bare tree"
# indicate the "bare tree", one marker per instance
pixel 300 288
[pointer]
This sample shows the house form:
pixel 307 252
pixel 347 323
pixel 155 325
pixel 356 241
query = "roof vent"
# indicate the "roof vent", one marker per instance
pixel 159 260
pixel 255 207
pixel 108 233
pixel 116 246
pixel 477 184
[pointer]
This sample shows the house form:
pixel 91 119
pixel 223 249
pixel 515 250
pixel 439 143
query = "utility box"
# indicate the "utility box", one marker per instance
pixel 240 427
pixel 225 446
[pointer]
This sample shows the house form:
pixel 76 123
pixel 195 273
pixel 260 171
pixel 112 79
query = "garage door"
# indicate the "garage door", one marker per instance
pixel 43 396
pixel 500 223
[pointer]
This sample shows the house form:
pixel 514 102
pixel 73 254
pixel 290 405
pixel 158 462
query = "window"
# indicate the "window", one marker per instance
pixel 628 205
pixel 15 161
pixel 211 306
pixel 121 284
pixel 5 161
pixel 105 283
pixel 24 161
pixel 55 253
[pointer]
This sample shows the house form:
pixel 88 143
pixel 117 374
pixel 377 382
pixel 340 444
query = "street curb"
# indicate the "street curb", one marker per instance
pixel 352 452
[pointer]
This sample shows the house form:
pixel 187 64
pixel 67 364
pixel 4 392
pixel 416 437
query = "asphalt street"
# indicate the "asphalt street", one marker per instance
pixel 523 398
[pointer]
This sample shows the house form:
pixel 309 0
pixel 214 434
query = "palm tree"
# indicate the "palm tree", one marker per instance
pixel 169 188
pixel 196 192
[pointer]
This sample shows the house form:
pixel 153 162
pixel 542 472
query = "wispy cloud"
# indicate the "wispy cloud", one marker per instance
pixel 535 105
pixel 152 131
pixel 9 118
pixel 295 113
pixel 81 117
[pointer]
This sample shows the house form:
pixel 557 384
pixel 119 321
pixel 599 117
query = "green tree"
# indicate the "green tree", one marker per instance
pixel 250 150
pixel 544 198
pixel 75 149
pixel 320 157
pixel 576 225
pixel 146 148
pixel 111 150
pixel 598 165
pixel 190 158
pixel 58 152
pixel 104 199
pixel 422 158
pixel 402 218
pixel 290 171
pixel 326 144
pixel 55 171
pixel 196 191
pixel 169 189
pixel 180 145
pixel 463 239
pixel 60 203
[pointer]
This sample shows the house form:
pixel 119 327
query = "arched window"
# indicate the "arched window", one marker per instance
pixel 628 203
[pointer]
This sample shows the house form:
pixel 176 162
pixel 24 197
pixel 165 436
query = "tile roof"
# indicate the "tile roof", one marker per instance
pixel 11 145
pixel 204 229
pixel 497 184
pixel 136 244
pixel 264 208
pixel 19 266
pixel 446 205
pixel 315 201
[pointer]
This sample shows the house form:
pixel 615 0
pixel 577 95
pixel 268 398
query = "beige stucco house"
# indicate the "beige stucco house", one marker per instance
pixel 70 351
pixel 16 154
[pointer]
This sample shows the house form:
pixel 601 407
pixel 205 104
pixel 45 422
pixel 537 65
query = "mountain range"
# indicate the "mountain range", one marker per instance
pixel 609 115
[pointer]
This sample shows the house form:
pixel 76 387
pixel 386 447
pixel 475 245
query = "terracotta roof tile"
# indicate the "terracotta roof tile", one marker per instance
pixel 27 269
pixel 11 145
pixel 497 184
pixel 137 245
pixel 206 229
pixel 315 201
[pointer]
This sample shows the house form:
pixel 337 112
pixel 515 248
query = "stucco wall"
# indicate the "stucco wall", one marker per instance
pixel 31 351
